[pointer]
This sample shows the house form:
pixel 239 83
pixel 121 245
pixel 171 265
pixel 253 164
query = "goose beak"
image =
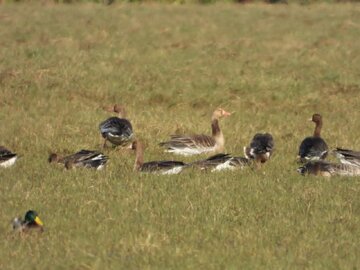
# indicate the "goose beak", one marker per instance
pixel 225 113
pixel 38 221
pixel 310 119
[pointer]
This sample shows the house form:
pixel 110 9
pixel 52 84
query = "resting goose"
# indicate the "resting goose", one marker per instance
pixel 314 147
pixel 323 168
pixel 188 145
pixel 7 158
pixel 261 147
pixel 221 162
pixel 160 167
pixel 117 130
pixel 31 222
pixel 83 158
pixel 347 156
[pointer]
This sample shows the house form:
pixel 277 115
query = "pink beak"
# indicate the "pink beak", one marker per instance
pixel 225 113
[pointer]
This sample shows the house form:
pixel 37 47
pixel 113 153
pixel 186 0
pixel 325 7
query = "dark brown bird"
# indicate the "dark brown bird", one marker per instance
pixel 314 147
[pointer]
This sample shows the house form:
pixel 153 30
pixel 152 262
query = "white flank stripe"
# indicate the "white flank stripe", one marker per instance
pixel 9 162
pixel 174 170
pixel 189 151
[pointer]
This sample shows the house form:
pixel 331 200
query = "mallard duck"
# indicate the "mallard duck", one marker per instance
pixel 314 147
pixel 323 168
pixel 83 158
pixel 220 162
pixel 261 147
pixel 159 167
pixel 188 145
pixel 347 156
pixel 31 221
pixel 117 130
pixel 7 158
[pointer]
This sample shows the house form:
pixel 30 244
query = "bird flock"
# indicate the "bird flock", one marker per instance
pixel 118 131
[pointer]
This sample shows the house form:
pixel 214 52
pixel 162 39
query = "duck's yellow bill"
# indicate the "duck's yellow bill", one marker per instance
pixel 38 221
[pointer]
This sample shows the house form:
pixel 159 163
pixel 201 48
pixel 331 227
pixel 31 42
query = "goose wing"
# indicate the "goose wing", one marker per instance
pixel 88 159
pixel 212 161
pixel 313 148
pixel 347 156
pixel 262 143
pixel 189 145
pixel 116 130
pixel 164 167
pixel 6 154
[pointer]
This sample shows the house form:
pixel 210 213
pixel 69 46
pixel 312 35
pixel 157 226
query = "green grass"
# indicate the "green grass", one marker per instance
pixel 171 66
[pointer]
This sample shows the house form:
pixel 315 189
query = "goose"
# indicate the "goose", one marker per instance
pixel 31 222
pixel 347 156
pixel 261 148
pixel 323 168
pixel 314 147
pixel 83 158
pixel 7 158
pixel 221 162
pixel 188 145
pixel 117 130
pixel 159 167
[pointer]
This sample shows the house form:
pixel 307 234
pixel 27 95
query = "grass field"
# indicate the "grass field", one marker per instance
pixel 171 66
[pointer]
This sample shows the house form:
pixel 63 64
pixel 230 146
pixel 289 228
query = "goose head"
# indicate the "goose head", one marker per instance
pixel 220 113
pixel 120 110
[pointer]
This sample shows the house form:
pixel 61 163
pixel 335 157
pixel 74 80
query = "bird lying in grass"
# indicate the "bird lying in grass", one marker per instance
pixel 31 222
pixel 157 167
pixel 220 162
pixel 83 158
pixel 323 168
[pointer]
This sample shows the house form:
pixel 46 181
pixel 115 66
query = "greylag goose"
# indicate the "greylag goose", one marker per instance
pixel 117 130
pixel 347 156
pixel 83 158
pixel 7 158
pixel 323 168
pixel 188 145
pixel 31 221
pixel 221 162
pixel 314 147
pixel 261 147
pixel 160 167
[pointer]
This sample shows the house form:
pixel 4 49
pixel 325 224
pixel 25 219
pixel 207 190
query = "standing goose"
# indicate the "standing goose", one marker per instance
pixel 221 162
pixel 31 221
pixel 7 158
pixel 314 147
pixel 188 145
pixel 261 147
pixel 323 168
pixel 160 167
pixel 347 156
pixel 83 158
pixel 117 130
